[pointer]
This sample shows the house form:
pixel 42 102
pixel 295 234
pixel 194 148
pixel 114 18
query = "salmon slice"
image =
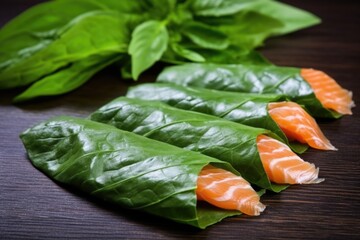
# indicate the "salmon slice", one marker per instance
pixel 328 91
pixel 226 190
pixel 282 165
pixel 298 125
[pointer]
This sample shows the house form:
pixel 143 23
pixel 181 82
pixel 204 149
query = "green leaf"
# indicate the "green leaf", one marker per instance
pixel 205 36
pixel 123 168
pixel 47 16
pixel 224 140
pixel 21 36
pixel 187 53
pixel 90 31
pixel 233 55
pixel 247 109
pixel 220 7
pixel 67 79
pixel 148 43
pixel 160 9
pixel 272 79
pixel 249 29
pixel 292 18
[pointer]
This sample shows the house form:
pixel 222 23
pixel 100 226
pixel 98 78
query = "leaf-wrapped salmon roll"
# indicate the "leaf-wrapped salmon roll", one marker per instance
pixel 228 141
pixel 136 172
pixel 314 89
pixel 286 119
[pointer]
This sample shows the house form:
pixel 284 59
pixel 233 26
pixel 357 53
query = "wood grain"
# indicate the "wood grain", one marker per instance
pixel 33 206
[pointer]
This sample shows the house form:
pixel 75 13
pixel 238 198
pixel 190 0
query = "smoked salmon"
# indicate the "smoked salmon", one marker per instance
pixel 226 190
pixel 283 166
pixel 328 91
pixel 298 125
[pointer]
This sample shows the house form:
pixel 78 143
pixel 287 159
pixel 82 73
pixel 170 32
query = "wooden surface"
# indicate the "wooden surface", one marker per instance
pixel 33 206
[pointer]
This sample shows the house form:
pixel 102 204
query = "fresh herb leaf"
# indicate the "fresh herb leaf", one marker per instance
pixel 187 53
pixel 220 7
pixel 148 43
pixel 292 18
pixel 248 29
pixel 67 79
pixel 205 36
pixel 37 43
pixel 85 36
pixel 233 55
pixel 47 16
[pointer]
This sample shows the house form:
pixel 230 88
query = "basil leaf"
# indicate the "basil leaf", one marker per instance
pixel 219 7
pixel 123 168
pixel 247 109
pixel 67 79
pixel 148 43
pixel 286 81
pixel 18 37
pixel 187 53
pixel 227 141
pixel 230 55
pixel 88 31
pixel 47 16
pixel 249 29
pixel 205 36
pixel 292 18
pixel 233 55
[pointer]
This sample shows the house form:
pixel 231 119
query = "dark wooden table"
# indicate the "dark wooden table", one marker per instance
pixel 33 206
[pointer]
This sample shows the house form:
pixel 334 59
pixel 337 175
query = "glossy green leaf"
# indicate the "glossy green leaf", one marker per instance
pixel 35 28
pixel 286 81
pixel 292 18
pixel 187 53
pixel 85 36
pixel 227 141
pixel 250 29
pixel 220 7
pixel 123 168
pixel 247 109
pixel 230 55
pixel 67 79
pixel 48 16
pixel 148 43
pixel 205 36
pixel 233 55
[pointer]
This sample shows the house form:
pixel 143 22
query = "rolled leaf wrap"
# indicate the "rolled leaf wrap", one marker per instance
pixel 123 168
pixel 231 142
pixel 249 78
pixel 247 109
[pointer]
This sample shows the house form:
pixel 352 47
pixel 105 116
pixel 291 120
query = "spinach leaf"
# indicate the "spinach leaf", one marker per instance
pixel 85 36
pixel 123 168
pixel 227 141
pixel 148 43
pixel 286 81
pixel 247 109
